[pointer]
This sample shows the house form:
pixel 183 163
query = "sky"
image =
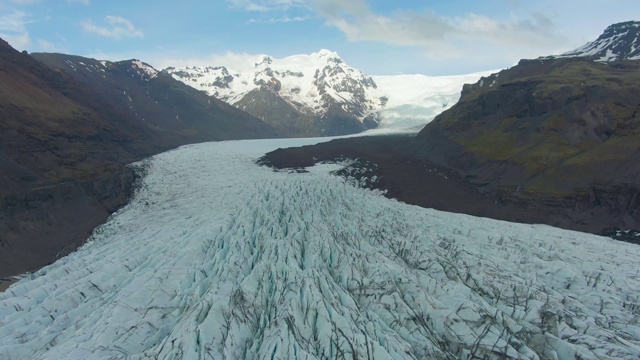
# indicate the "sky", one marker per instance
pixel 378 37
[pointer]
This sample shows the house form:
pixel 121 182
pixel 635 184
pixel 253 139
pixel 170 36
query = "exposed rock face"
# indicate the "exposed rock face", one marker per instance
pixel 559 134
pixel 274 84
pixel 67 131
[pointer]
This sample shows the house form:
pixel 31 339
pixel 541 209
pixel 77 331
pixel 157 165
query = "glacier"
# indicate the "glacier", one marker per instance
pixel 216 257
pixel 415 100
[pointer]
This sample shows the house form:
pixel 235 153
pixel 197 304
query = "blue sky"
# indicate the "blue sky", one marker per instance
pixel 379 37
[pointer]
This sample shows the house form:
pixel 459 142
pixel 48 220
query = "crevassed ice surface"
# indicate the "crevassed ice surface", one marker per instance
pixel 216 258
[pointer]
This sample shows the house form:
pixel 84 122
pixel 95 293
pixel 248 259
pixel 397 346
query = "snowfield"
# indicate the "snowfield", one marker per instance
pixel 216 257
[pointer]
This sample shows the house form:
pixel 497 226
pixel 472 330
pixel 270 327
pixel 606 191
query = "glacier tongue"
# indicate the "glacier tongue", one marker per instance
pixel 216 257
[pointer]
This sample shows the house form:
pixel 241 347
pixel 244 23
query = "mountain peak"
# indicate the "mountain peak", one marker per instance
pixel 620 27
pixel 327 53
pixel 4 45
pixel 145 71
pixel 328 56
pixel 264 60
pixel 619 41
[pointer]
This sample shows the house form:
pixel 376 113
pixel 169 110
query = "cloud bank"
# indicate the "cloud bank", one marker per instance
pixel 116 27
pixel 436 34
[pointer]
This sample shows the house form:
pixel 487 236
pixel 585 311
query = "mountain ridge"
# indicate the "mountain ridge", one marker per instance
pixel 167 108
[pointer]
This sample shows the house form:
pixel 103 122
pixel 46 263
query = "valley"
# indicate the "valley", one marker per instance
pixel 298 208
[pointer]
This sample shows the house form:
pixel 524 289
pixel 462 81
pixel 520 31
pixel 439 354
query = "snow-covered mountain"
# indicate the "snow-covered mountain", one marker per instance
pixel 314 89
pixel 618 42
pixel 309 82
pixel 306 89
pixel 216 257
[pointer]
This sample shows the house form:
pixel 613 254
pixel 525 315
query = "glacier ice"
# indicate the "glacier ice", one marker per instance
pixel 216 257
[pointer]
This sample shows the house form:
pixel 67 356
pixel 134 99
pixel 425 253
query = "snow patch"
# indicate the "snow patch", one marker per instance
pixel 146 71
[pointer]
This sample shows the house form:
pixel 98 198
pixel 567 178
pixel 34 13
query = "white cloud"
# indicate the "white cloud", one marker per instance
pixel 436 35
pixel 117 28
pixel 285 19
pixel 160 59
pixel 266 5
pixel 84 2
pixel 18 41
pixel 235 61
pixel 286 11
pixel 406 29
pixel 14 30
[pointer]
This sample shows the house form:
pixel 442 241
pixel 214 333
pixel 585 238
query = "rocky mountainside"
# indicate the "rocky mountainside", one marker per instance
pixel 68 130
pixel 175 114
pixel 618 42
pixel 319 94
pixel 555 134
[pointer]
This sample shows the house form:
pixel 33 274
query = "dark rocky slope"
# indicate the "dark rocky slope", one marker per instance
pixel 557 134
pixel 266 105
pixel 65 139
